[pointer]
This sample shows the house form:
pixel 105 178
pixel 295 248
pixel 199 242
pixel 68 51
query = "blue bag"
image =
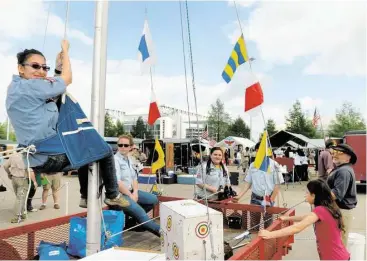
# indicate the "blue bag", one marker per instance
pixel 50 251
pixel 114 221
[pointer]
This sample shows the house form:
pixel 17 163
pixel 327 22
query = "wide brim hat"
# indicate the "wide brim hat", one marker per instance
pixel 347 150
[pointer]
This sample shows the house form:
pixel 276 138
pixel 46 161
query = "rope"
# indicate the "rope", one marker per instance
pixel 187 89
pixel 247 232
pixel 47 20
pixel 213 256
pixel 131 228
pixel 67 18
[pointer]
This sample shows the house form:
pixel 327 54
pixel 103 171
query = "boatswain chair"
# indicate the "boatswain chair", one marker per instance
pixel 34 114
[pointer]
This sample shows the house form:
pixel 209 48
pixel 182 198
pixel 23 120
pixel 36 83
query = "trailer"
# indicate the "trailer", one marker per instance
pixel 357 140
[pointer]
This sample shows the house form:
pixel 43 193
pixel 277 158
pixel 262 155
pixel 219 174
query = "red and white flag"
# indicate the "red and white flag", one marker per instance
pixel 154 113
pixel 253 93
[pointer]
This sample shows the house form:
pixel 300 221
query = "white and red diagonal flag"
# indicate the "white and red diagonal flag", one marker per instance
pixel 154 113
pixel 253 93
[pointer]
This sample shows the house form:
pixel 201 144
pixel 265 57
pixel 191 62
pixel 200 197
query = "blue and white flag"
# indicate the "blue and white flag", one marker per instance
pixel 146 53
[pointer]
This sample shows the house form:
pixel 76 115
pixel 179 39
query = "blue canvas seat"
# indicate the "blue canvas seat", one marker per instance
pixel 76 137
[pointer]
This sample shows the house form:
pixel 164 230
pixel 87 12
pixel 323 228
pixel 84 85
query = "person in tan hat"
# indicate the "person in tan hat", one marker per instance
pixel 342 183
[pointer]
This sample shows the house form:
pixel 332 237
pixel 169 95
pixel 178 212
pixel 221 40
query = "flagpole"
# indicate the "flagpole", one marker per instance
pixel 322 128
pixel 93 244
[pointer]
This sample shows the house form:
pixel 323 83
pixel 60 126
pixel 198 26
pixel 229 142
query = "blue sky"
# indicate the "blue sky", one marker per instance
pixel 282 69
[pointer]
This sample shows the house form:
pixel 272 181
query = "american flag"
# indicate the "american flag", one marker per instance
pixel 316 118
pixel 205 133
pixel 212 142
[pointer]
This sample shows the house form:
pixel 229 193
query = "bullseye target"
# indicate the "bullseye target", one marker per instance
pixel 169 223
pixel 175 251
pixel 202 230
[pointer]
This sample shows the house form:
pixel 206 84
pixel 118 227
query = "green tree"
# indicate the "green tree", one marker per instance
pixel 297 122
pixel 239 129
pixel 3 131
pixel 139 129
pixel 271 127
pixel 120 130
pixel 218 121
pixel 346 119
pixel 109 126
pixel 3 128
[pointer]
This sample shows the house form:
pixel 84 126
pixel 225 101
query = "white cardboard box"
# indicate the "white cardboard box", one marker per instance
pixel 185 229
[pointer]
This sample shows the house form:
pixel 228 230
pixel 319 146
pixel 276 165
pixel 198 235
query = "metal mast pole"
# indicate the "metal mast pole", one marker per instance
pixel 97 118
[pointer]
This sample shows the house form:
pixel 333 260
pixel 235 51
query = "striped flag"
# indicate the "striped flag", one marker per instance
pixel 316 118
pixel 205 133
pixel 238 56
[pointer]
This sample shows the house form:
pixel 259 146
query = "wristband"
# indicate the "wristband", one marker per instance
pixel 57 71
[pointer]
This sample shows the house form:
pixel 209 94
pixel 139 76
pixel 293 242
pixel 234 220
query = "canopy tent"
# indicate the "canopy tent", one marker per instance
pixel 282 138
pixel 231 142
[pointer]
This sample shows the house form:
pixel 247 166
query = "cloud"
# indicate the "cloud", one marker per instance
pixel 309 103
pixel 331 34
pixel 23 19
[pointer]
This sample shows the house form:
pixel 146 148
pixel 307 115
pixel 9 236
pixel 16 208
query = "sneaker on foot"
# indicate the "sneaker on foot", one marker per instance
pixel 83 203
pixel 56 206
pixel 42 207
pixel 118 201
pixel 32 210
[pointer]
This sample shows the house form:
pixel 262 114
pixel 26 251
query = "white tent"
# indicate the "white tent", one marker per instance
pixel 231 142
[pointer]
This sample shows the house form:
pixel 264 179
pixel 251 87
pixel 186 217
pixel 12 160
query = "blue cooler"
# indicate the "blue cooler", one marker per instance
pixel 186 179
pixel 147 179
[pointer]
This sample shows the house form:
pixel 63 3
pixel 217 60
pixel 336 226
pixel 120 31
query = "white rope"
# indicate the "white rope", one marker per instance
pixel 47 19
pixel 67 18
pixel 116 234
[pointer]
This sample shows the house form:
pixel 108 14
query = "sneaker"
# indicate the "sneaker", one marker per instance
pixel 118 201
pixel 32 210
pixel 16 218
pixel 56 206
pixel 83 203
pixel 42 207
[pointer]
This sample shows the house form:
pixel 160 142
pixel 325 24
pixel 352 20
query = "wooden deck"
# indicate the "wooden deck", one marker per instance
pixel 146 241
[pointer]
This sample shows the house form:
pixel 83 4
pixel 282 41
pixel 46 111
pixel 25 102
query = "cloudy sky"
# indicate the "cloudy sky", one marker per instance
pixel 314 51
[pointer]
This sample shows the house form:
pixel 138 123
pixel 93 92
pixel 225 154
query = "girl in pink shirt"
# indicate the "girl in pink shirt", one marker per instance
pixel 327 220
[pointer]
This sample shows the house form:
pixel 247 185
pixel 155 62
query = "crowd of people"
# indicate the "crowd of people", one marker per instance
pixel 33 103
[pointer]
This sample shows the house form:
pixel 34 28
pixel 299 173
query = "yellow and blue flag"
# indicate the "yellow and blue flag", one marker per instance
pixel 238 56
pixel 262 159
pixel 160 163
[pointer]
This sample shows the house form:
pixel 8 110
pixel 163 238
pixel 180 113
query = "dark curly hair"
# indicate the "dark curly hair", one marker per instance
pixel 23 56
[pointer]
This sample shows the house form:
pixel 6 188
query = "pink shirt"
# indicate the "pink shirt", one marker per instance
pixel 328 236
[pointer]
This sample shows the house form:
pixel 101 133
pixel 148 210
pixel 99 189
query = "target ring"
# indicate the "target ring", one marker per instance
pixel 175 251
pixel 169 223
pixel 202 230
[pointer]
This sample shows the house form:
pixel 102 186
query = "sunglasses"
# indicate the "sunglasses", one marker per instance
pixel 123 145
pixel 37 66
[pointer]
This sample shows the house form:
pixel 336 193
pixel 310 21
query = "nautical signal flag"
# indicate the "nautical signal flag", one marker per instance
pixel 254 96
pixel 146 52
pixel 238 56
pixel 159 163
pixel 154 113
pixel 262 159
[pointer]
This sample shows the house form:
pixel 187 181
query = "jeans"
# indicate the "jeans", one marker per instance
pixel 57 163
pixel 255 219
pixel 139 210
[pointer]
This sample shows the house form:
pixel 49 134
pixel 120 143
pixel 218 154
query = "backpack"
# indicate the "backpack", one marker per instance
pixel 51 251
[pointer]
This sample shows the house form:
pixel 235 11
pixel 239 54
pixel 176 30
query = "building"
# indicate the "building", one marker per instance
pixel 173 123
